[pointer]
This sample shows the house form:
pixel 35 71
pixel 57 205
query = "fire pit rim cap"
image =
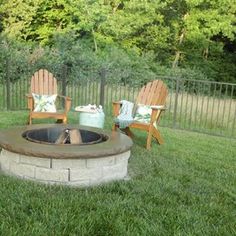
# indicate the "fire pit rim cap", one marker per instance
pixel 12 140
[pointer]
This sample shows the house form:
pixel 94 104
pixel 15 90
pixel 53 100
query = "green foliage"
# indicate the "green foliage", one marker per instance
pixel 73 59
pixel 181 73
pixel 112 62
pixel 13 59
pixel 186 33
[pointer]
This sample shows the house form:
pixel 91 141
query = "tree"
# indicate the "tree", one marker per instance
pixel 17 16
pixel 197 23
pixel 179 33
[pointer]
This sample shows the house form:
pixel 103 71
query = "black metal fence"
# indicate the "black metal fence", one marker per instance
pixel 203 106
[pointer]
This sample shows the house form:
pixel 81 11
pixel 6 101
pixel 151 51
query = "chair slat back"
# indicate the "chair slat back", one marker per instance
pixel 43 82
pixel 153 93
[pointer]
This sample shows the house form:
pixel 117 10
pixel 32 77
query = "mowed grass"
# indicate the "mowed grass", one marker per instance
pixel 185 187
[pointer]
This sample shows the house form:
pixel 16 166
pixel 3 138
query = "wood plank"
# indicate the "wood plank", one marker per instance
pixel 52 84
pixel 139 125
pixel 62 138
pixel 152 93
pixel 75 136
pixel 142 96
pixel 59 116
pixel 147 93
pixel 157 90
pixel 160 94
pixel 40 81
pixel 45 82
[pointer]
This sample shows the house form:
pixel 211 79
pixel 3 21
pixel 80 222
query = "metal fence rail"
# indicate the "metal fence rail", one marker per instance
pixel 203 106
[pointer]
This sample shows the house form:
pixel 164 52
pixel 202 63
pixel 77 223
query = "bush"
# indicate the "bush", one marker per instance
pixel 76 60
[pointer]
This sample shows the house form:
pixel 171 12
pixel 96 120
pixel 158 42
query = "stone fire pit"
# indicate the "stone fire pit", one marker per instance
pixel 64 154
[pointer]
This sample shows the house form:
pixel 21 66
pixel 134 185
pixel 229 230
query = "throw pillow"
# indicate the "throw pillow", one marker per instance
pixel 44 103
pixel 143 113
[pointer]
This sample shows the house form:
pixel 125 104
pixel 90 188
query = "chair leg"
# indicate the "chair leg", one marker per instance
pixel 149 137
pixel 29 120
pixel 114 127
pixel 128 132
pixel 157 136
pixel 64 120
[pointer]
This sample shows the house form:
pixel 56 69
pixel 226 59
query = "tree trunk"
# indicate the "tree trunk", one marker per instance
pixel 206 53
pixel 94 42
pixel 178 52
pixel 176 60
pixel 181 39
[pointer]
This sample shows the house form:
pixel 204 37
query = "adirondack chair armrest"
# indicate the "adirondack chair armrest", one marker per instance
pixel 116 107
pixel 30 101
pixel 156 113
pixel 117 102
pixel 67 102
pixel 29 96
pixel 160 107
pixel 65 97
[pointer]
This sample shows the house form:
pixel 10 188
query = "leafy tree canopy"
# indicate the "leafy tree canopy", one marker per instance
pixel 178 33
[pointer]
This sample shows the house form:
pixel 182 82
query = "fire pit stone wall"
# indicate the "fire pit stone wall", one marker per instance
pixel 79 172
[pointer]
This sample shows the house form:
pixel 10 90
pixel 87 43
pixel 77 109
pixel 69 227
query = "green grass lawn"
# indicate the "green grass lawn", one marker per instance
pixel 185 187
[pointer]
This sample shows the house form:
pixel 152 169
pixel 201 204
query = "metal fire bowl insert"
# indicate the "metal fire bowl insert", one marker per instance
pixel 51 136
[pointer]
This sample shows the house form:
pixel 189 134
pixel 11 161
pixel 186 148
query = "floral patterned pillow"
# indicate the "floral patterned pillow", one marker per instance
pixel 44 103
pixel 143 113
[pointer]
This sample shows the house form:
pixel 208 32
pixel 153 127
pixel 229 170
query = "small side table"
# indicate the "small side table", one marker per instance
pixel 91 118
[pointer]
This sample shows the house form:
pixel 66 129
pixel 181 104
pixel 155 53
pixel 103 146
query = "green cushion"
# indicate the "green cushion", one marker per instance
pixel 44 103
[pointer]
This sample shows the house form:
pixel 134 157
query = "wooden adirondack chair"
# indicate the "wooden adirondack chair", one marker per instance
pixel 44 83
pixel 153 94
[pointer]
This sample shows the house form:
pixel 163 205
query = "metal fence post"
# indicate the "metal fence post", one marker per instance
pixel 64 76
pixel 8 85
pixel 176 103
pixel 102 87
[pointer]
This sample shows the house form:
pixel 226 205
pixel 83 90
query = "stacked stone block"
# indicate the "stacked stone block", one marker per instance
pixel 77 172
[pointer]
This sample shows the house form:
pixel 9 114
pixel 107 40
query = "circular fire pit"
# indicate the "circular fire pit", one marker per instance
pixel 64 154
